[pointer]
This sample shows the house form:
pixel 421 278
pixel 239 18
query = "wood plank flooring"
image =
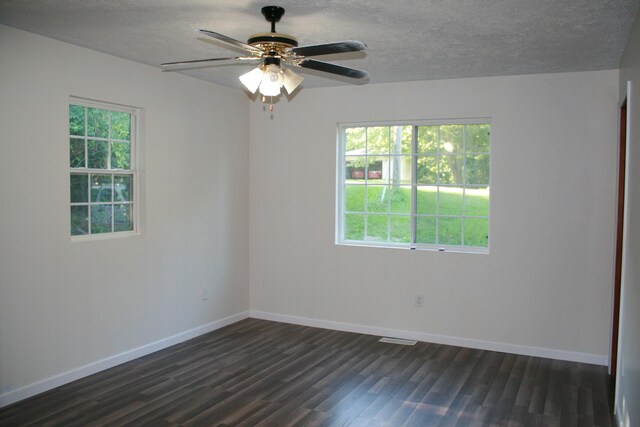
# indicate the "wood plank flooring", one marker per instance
pixel 258 372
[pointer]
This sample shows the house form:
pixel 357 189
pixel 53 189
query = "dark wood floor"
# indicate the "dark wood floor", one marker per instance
pixel 260 372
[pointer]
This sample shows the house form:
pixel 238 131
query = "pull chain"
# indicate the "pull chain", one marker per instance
pixel 264 101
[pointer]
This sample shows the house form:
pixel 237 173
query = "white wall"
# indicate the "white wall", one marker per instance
pixel 628 375
pixel 64 305
pixel 546 284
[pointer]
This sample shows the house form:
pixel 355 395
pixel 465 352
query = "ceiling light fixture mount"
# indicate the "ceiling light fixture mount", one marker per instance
pixel 272 39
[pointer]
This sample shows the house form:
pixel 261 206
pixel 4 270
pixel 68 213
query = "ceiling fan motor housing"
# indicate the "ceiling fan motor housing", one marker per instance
pixel 264 40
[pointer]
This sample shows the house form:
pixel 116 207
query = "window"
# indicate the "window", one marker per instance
pixel 422 185
pixel 102 169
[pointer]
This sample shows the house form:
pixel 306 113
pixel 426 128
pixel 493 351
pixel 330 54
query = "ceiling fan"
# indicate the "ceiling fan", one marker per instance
pixel 273 50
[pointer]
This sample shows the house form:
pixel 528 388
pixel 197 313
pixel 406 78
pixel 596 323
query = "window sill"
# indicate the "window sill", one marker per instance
pixel 105 236
pixel 427 248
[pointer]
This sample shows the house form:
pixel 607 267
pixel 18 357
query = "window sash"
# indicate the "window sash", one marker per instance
pixel 342 185
pixel 108 170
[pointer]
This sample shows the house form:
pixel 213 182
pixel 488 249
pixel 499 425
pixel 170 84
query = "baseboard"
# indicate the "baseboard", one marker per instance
pixel 117 359
pixel 27 391
pixel 549 353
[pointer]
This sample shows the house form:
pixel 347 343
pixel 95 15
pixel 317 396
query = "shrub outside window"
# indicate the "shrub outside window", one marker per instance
pixel 102 169
pixel 422 185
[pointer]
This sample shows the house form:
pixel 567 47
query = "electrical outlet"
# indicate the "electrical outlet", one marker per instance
pixel 205 293
pixel 418 301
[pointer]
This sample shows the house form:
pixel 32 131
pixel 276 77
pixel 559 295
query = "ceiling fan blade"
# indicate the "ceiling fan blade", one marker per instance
pixel 205 61
pixel 328 48
pixel 233 42
pixel 333 69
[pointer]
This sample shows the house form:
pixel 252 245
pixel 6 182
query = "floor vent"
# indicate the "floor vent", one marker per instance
pixel 397 341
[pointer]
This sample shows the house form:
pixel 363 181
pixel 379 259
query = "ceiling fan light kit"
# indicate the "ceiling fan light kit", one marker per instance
pixel 270 78
pixel 274 50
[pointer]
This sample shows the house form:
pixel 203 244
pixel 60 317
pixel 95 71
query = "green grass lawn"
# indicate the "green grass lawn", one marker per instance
pixel 386 213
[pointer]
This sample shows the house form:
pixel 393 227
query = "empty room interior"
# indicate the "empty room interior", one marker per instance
pixel 212 212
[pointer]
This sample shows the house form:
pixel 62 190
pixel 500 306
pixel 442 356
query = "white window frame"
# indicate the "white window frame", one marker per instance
pixel 135 131
pixel 341 185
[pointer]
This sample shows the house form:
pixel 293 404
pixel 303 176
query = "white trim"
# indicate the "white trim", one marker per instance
pixel 573 356
pixel 619 405
pixel 117 359
pixel 419 122
pixel 473 250
pixel 102 105
pixel 621 414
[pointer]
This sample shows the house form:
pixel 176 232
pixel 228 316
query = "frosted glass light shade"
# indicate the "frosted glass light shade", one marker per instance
pixel 291 80
pixel 252 79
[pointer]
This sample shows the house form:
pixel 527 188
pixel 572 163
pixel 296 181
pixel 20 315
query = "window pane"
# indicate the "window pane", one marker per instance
pixel 97 122
pixel 476 202
pixel 120 155
pixel 477 169
pixel 97 154
pixel 476 232
pixel 451 139
pixel 447 191
pixel 354 227
pixel 377 169
pixel 101 188
pixel 122 186
pixel 400 228
pixel 356 139
pixel 400 139
pixel 103 139
pixel 406 145
pixel 451 169
pixel 400 169
pixel 450 200
pixel 354 198
pixel 477 138
pixel 123 218
pixel 450 231
pixel 377 198
pixel 427 172
pixel 76 153
pixel 79 188
pixel 378 140
pixel 79 220
pixel 76 120
pixel 426 229
pixel 401 199
pixel 355 167
pixel 377 226
pixel 426 203
pixel 101 219
pixel 120 125
pixel 428 139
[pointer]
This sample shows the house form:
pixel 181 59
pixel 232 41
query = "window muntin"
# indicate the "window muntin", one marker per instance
pixel 102 173
pixel 420 185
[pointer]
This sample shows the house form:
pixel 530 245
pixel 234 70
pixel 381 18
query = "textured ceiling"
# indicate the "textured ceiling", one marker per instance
pixel 407 40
